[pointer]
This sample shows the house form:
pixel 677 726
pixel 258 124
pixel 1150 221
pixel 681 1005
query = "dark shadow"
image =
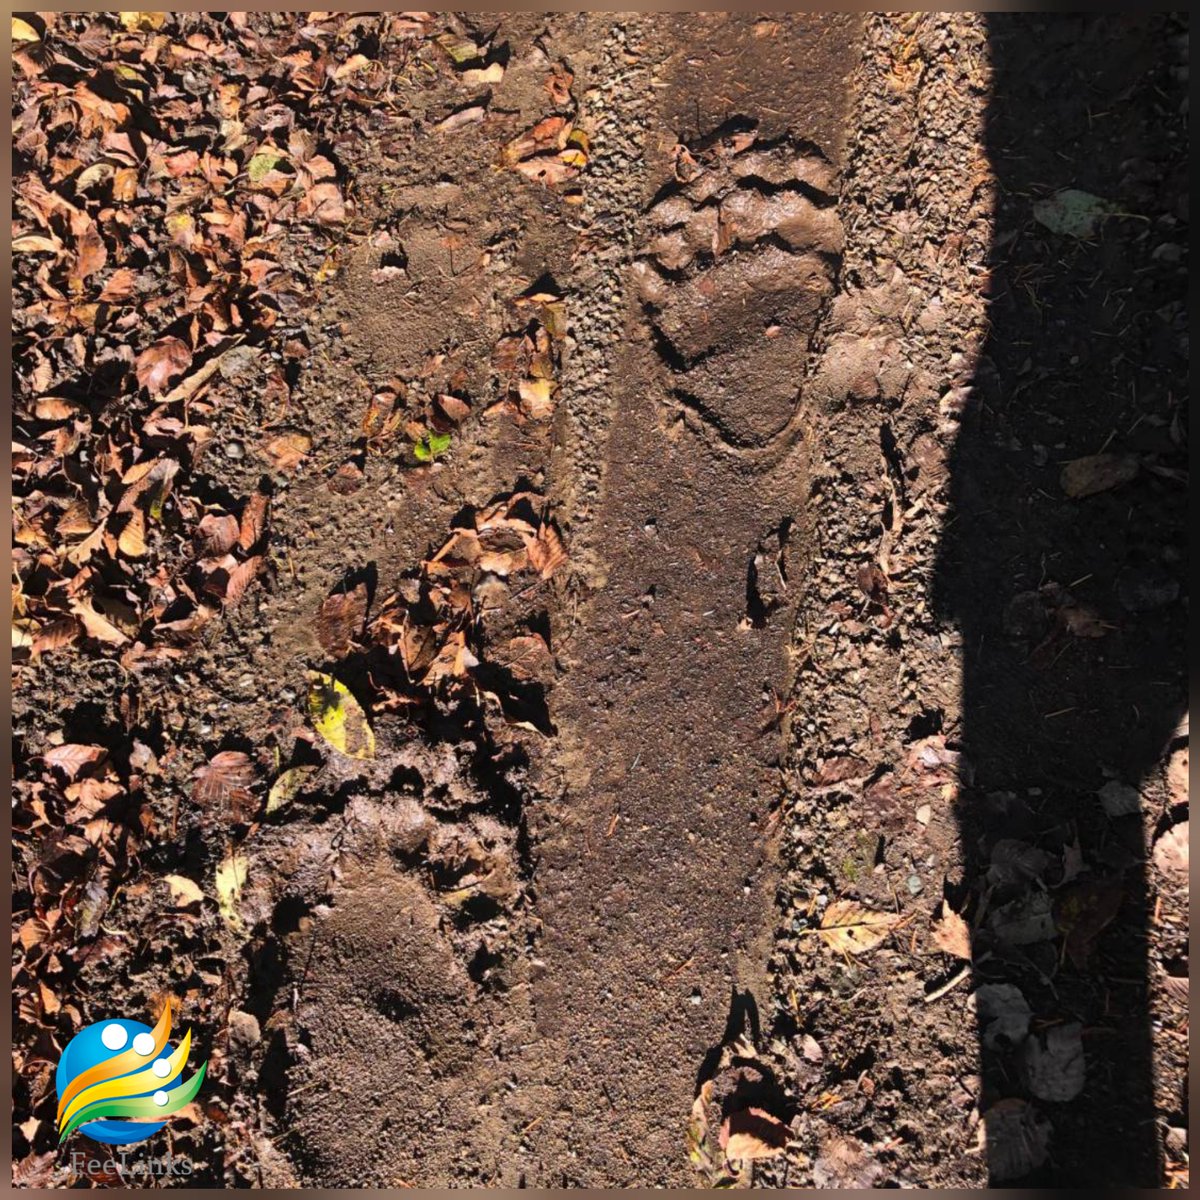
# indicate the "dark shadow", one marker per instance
pixel 1086 353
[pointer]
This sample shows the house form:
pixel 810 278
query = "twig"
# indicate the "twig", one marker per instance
pixel 949 986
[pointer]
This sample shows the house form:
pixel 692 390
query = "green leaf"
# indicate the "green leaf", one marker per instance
pixel 431 446
pixel 261 163
pixel 1072 212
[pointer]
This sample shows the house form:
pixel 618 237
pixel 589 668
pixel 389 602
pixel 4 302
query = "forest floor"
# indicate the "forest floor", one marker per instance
pixel 599 600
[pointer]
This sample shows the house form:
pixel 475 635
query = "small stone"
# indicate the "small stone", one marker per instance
pixel 914 884
pixel 924 814
pixel 235 451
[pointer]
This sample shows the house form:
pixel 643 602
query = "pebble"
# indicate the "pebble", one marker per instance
pixel 235 451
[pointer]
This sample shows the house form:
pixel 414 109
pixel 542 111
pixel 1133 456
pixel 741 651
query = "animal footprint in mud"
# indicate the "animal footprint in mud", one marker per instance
pixel 742 258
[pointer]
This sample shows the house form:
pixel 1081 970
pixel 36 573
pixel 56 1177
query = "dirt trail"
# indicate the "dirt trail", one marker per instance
pixel 559 1039
pixel 651 888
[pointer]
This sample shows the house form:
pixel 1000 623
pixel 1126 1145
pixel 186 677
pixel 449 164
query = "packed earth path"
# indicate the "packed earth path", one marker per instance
pixel 489 648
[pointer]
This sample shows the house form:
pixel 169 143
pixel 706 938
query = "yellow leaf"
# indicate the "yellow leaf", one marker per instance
pixel 338 717
pixel 231 878
pixel 22 31
pixel 285 789
pixel 147 22
pixel 184 891
pixel 854 929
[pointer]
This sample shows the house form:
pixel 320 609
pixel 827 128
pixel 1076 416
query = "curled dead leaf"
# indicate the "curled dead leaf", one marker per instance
pixel 753 1133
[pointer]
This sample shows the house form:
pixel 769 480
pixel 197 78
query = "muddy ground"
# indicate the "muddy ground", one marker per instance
pixel 601 598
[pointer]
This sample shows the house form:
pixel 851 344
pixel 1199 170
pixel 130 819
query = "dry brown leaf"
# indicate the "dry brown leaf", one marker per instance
pixel 161 362
pixel 546 168
pixel 216 534
pixel 1097 473
pixel 56 634
pixel 952 934
pixel 286 451
pixel 132 539
pixel 72 758
pixel 549 133
pixel 753 1133
pixel 546 551
pixel 227 776
pixel 184 891
pixel 852 928
pixel 96 625
pixel 341 620
pixel 240 578
pixel 460 119
pixel 254 521
pixel 1171 851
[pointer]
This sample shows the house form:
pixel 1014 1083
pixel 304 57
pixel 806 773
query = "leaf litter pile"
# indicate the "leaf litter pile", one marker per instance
pixel 179 204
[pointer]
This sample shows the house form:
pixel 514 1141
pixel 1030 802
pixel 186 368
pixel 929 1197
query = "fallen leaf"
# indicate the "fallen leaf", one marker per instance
pixel 286 451
pixel 225 778
pixel 254 521
pixel 216 534
pixel 1097 473
pixel 843 1162
pixel 1072 212
pixel 341 620
pixel 287 787
pixel 338 717
pixel 481 76
pixel 132 539
pixel 230 879
pixel 461 118
pixel 952 934
pixel 1171 851
pixel 161 362
pixel 22 31
pixel 96 625
pixel 1016 1136
pixel 1003 1013
pixel 852 928
pixel 537 398
pixel 72 757
pixel 145 22
pixel 753 1133
pixel 546 551
pixel 184 891
pixel 1052 1063
pixel 1082 911
pixel 1120 799
pixel 240 579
